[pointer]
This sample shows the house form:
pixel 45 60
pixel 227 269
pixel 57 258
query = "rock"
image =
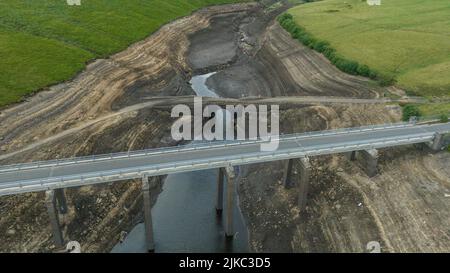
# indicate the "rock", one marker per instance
pixel 11 232
pixel 123 236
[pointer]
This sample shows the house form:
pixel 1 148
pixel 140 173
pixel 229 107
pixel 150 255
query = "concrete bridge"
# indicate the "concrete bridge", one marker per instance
pixel 56 175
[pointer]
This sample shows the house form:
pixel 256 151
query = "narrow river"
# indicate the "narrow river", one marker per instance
pixel 184 216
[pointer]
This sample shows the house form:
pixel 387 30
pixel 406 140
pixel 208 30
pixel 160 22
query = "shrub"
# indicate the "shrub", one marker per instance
pixel 410 111
pixel 443 118
pixel 364 70
pixel 321 46
pixel 386 80
pixel 285 16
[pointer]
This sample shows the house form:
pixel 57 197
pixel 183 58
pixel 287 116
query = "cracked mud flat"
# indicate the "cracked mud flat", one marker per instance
pixel 109 108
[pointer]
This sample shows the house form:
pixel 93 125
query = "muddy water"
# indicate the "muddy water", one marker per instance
pixel 198 83
pixel 184 216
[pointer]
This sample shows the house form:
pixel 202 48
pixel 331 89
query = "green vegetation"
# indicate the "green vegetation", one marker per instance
pixel 352 67
pixel 406 41
pixel 296 2
pixel 443 118
pixel 409 111
pixel 435 109
pixel 47 41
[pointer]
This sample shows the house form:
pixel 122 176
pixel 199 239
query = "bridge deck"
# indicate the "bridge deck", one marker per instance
pixel 40 176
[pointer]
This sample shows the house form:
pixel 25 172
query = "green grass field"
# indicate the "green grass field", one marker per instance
pixel 408 40
pixel 434 109
pixel 43 42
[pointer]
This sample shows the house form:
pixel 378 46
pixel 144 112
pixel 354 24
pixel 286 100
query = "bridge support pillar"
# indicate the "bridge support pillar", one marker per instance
pixel 61 200
pixel 351 155
pixel 438 143
pixel 220 186
pixel 305 174
pixel 420 146
pixel 231 177
pixel 148 223
pixel 287 181
pixel 52 210
pixel 369 160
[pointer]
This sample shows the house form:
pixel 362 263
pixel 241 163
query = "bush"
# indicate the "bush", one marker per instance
pixel 443 118
pixel 321 46
pixel 410 111
pixel 364 70
pixel 286 20
pixel 285 16
pixel 386 80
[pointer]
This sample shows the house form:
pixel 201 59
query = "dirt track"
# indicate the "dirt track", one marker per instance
pixel 107 109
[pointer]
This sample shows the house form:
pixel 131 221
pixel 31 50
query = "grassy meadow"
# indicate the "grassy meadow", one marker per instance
pixel 43 42
pixel 404 40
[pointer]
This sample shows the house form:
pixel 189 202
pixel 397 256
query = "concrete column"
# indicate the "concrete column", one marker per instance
pixel 287 181
pixel 437 143
pixel 305 174
pixel 420 146
pixel 370 162
pixel 220 186
pixel 147 214
pixel 351 155
pixel 61 200
pixel 50 202
pixel 231 176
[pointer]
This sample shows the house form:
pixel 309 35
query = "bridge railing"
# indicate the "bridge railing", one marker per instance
pixel 194 146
